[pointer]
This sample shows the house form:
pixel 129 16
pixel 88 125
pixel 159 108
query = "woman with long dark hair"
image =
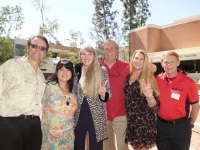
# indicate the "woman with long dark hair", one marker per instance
pixel 59 105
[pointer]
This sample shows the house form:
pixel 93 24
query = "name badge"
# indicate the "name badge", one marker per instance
pixel 175 96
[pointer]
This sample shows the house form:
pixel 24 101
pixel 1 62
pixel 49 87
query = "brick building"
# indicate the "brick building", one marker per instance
pixel 182 36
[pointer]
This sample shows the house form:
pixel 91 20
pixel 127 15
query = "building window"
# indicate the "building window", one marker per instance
pixel 20 49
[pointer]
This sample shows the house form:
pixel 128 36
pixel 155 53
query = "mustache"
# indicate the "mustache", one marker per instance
pixel 109 54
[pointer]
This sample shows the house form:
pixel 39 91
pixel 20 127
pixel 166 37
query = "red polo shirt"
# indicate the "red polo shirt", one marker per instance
pixel 176 96
pixel 117 76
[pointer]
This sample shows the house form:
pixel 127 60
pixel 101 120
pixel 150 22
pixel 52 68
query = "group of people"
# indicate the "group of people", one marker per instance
pixel 113 103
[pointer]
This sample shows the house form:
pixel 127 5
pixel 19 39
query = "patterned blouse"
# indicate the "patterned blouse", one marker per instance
pixel 57 119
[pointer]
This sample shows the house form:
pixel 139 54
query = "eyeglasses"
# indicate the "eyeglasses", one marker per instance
pixel 114 72
pixel 35 46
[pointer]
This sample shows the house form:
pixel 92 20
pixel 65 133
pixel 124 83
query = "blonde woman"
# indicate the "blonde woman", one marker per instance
pixel 91 87
pixel 141 103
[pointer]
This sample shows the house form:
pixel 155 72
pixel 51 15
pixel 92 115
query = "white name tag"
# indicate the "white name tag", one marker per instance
pixel 175 96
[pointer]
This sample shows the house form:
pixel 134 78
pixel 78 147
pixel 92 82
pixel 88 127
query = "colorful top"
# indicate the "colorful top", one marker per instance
pixel 117 77
pixel 57 119
pixel 21 88
pixel 176 96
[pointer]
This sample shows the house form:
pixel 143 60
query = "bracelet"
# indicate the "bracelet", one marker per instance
pixel 150 101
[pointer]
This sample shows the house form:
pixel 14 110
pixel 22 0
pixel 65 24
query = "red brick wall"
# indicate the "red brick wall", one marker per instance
pixel 153 38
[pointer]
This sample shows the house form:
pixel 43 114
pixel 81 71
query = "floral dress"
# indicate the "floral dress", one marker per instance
pixel 141 120
pixel 57 119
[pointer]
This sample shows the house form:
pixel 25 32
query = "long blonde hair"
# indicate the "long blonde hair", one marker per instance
pixel 93 74
pixel 145 73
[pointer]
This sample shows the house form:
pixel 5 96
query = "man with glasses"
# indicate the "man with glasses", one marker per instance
pixel 116 117
pixel 22 86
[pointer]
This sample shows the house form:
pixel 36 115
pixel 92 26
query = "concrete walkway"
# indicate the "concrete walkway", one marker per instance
pixel 195 141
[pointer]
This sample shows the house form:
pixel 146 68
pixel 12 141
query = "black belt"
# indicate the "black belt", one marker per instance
pixel 27 116
pixel 173 122
pixel 22 117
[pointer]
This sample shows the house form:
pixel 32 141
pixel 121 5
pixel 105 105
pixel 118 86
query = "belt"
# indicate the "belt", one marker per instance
pixel 173 122
pixel 27 116
pixel 22 117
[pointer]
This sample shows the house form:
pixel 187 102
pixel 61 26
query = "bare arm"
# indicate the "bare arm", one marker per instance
pixel 194 112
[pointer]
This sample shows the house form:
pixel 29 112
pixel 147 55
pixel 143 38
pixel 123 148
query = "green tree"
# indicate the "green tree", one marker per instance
pixel 104 22
pixel 10 18
pixel 6 49
pixel 39 5
pixel 135 14
pixel 48 28
pixel 75 41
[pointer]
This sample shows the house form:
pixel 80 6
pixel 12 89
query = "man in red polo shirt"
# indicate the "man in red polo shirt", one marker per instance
pixel 179 105
pixel 116 117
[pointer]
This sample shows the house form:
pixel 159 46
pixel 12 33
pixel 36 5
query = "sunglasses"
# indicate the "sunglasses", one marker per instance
pixel 35 46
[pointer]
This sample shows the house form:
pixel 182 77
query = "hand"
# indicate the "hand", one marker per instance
pixel 102 89
pixel 152 67
pixel 147 90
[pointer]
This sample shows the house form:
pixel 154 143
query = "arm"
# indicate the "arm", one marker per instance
pixel 194 112
pixel 44 119
pixel 152 67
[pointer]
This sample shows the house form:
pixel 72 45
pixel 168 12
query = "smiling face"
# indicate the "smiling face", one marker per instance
pixel 64 74
pixel 86 58
pixel 138 61
pixel 170 64
pixel 34 49
pixel 110 51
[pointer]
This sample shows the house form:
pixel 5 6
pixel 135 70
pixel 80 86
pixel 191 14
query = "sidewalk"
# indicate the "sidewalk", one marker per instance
pixel 195 141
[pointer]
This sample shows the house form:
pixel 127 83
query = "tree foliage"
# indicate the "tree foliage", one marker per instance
pixel 48 28
pixel 104 21
pixel 75 41
pixel 6 49
pixel 10 18
pixel 39 5
pixel 135 14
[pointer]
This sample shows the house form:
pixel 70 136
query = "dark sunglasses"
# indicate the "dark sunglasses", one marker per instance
pixel 35 46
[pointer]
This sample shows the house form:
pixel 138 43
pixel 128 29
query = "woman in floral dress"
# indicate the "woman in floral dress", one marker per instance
pixel 141 103
pixel 59 105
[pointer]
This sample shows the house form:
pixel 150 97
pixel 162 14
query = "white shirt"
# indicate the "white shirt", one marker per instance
pixel 21 88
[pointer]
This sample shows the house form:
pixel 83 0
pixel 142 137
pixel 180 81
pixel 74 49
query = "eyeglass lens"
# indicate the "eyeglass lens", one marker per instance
pixel 35 46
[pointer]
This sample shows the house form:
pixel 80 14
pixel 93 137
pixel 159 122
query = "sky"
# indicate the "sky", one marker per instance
pixel 76 15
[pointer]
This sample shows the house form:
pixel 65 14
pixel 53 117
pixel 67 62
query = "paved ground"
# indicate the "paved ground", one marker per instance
pixel 195 142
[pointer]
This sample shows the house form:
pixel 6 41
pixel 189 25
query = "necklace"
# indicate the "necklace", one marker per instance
pixel 68 99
